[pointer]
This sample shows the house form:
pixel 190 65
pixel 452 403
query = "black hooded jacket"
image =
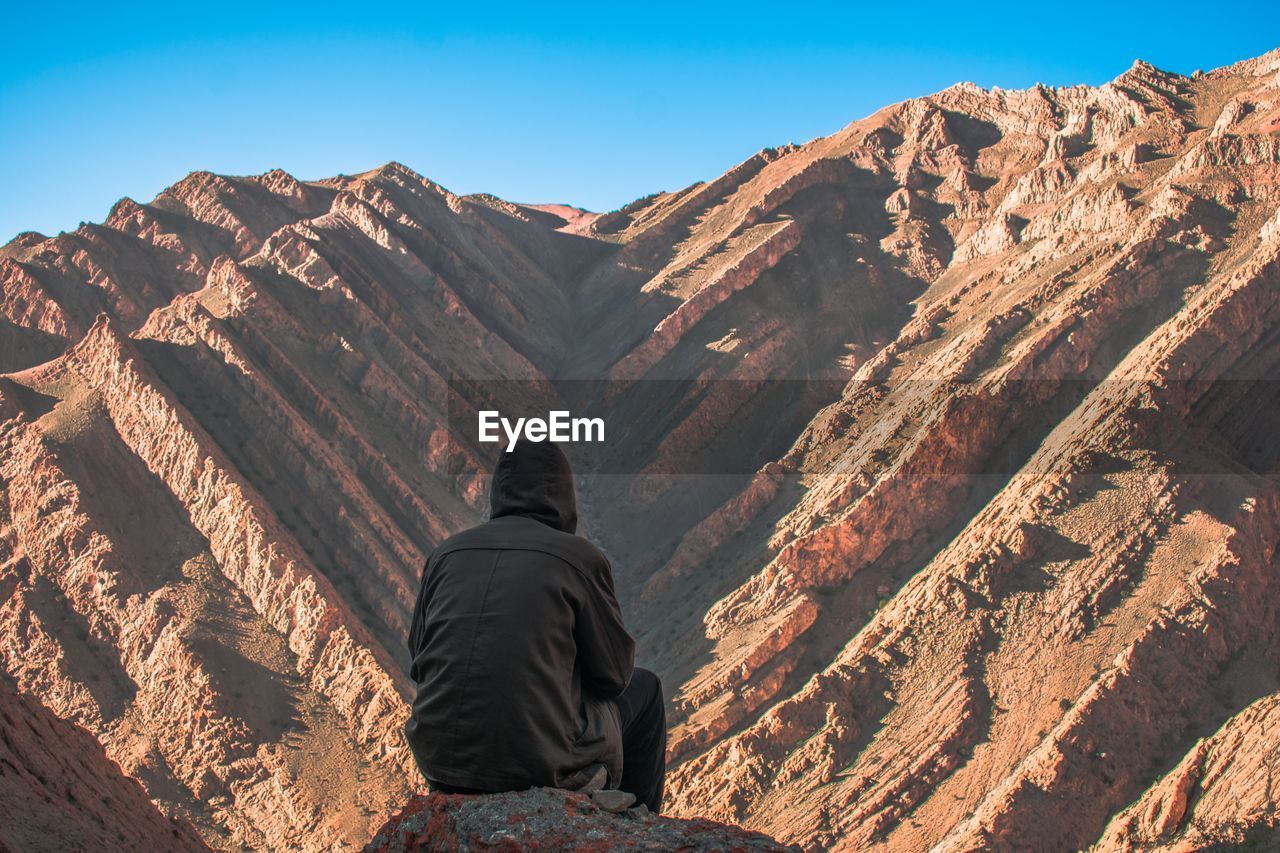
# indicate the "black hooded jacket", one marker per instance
pixel 517 642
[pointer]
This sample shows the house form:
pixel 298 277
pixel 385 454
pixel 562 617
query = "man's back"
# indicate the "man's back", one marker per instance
pixel 517 644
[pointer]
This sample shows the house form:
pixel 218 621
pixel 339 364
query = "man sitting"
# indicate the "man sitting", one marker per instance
pixel 522 665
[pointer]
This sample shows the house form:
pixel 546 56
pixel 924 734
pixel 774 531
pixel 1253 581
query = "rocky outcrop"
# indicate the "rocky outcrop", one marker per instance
pixel 549 819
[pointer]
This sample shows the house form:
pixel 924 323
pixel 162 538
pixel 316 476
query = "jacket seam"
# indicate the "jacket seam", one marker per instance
pixel 471 650
pixel 580 569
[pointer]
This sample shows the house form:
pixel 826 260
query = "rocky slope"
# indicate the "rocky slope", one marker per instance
pixel 60 791
pixel 957 531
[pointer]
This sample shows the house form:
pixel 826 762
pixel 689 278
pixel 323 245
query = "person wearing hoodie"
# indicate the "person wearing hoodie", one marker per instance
pixel 523 668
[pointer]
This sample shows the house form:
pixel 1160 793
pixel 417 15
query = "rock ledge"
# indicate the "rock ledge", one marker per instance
pixel 549 819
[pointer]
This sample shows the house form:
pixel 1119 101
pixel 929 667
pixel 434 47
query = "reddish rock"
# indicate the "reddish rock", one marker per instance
pixel 549 819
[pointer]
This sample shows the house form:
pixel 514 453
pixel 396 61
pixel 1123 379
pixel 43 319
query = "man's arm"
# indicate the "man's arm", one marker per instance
pixel 417 628
pixel 605 648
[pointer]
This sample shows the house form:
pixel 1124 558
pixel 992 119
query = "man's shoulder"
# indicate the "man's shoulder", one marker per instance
pixel 514 533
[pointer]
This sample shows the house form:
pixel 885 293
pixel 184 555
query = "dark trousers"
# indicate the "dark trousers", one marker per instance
pixel 644 738
pixel 644 741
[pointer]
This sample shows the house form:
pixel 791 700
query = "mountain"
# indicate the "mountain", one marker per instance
pixel 944 499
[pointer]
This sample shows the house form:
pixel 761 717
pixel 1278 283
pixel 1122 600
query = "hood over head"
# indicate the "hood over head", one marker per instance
pixel 534 479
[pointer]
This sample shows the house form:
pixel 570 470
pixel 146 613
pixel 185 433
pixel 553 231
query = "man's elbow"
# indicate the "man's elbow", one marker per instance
pixel 610 681
pixel 608 687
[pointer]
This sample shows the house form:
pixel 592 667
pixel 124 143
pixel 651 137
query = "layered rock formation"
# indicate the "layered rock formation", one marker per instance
pixel 959 532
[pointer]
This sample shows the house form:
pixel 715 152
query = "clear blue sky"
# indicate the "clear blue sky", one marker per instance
pixel 591 104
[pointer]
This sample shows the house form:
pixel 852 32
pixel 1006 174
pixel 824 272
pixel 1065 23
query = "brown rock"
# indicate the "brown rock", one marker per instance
pixel 547 819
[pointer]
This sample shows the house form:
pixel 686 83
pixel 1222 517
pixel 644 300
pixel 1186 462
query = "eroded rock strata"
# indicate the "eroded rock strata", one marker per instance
pixel 959 534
